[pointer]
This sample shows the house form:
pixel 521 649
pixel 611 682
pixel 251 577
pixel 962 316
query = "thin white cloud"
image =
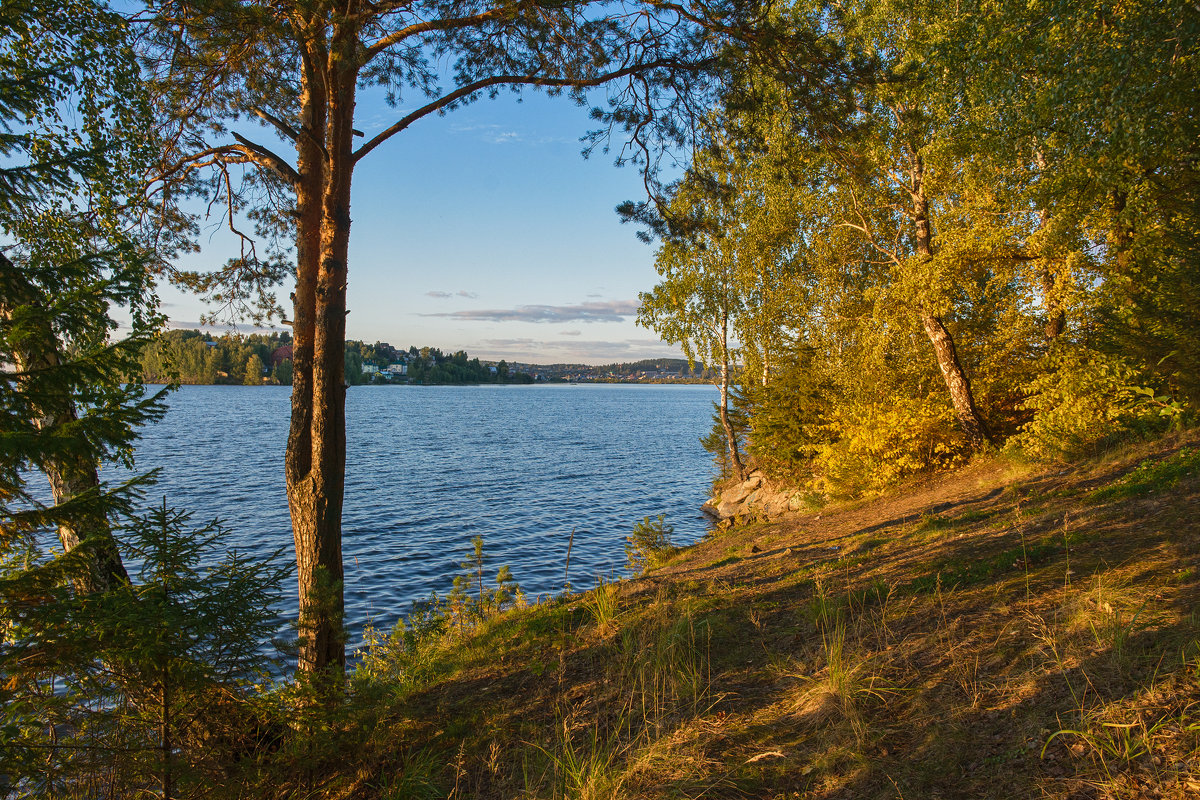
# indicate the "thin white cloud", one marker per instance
pixel 596 351
pixel 497 134
pixel 570 333
pixel 223 328
pixel 437 295
pixel 460 127
pixel 609 311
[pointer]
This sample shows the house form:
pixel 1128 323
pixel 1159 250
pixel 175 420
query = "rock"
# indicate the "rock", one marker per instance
pixel 726 510
pixel 737 494
pixel 775 504
pixel 774 510
pixel 752 500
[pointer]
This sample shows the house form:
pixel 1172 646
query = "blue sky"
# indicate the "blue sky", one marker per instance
pixel 486 230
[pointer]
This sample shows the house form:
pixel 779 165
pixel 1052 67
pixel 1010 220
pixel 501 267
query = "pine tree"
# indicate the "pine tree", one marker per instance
pixel 297 67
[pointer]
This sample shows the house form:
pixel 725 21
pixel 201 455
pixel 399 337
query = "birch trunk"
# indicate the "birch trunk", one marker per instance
pixel 735 458
pixel 953 373
pixel 1056 318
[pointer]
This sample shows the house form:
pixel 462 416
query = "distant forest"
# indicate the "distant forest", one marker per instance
pixel 194 357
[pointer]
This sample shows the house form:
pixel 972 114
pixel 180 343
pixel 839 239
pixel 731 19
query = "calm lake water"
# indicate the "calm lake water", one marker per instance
pixel 428 468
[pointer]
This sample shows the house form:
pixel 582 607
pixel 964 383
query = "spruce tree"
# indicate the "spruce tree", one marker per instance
pixel 69 398
pixel 68 391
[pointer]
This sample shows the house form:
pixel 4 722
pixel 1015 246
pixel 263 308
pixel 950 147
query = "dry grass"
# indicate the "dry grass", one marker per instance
pixel 995 633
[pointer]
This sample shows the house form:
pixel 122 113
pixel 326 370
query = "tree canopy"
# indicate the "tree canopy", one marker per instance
pixel 993 243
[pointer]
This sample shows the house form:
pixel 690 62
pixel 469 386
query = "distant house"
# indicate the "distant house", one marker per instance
pixel 369 368
pixel 397 369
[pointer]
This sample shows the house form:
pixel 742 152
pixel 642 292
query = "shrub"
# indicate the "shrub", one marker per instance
pixel 1085 402
pixel 649 542
pixel 147 687
pixel 472 599
pixel 880 443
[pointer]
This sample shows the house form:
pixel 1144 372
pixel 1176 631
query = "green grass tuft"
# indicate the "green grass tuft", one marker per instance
pixel 1152 476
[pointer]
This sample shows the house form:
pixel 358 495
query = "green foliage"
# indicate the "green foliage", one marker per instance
pixel 68 199
pixel 431 366
pixel 881 444
pixel 1154 476
pixel 253 371
pixel 404 658
pixel 193 357
pixel 1005 175
pixel 1086 401
pixel 108 686
pixel 473 599
pixel 282 374
pixel 407 656
pixel 145 685
pixel 788 417
pixel 648 543
pixel 716 442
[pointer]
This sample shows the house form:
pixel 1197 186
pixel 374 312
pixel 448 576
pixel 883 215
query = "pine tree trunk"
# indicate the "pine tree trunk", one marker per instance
pixel 316 453
pixel 953 373
pixel 69 475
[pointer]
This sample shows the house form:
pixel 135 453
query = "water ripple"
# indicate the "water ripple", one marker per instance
pixel 428 468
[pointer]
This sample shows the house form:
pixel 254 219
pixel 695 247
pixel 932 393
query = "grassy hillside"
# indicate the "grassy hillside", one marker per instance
pixel 1002 632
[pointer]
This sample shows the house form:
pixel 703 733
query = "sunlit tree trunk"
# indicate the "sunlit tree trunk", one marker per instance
pixel 956 379
pixel 735 457
pixel 315 460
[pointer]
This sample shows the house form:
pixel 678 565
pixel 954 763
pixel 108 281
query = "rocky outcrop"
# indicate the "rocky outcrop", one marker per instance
pixel 755 498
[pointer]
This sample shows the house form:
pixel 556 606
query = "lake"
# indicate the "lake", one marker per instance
pixel 428 468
